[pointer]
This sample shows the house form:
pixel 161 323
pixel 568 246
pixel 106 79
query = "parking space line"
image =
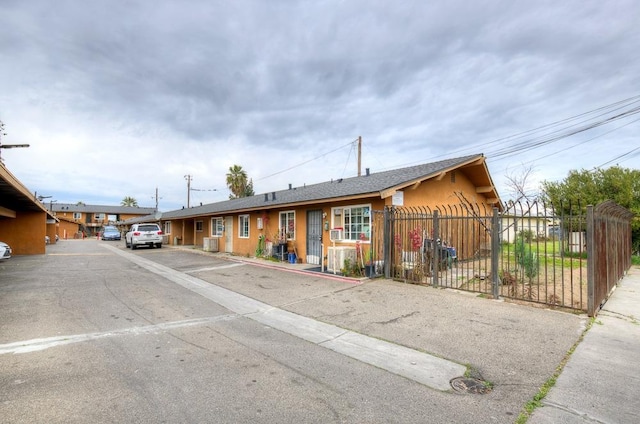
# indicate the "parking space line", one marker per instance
pixel 214 268
pixel 35 345
pixel 418 366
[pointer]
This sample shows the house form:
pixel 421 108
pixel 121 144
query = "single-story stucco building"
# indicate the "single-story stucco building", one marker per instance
pixel 311 218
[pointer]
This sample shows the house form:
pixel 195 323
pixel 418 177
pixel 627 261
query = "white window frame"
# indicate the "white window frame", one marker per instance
pixel 243 226
pixel 167 227
pixel 217 227
pixel 199 226
pixel 287 224
pixel 355 222
pixel 98 216
pixel 77 215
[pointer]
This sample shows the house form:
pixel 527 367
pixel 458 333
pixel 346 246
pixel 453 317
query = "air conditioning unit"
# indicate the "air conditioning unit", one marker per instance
pixel 210 244
pixel 337 255
pixel 335 235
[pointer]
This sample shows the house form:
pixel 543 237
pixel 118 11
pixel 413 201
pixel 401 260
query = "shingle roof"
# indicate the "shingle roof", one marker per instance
pixel 69 207
pixel 371 184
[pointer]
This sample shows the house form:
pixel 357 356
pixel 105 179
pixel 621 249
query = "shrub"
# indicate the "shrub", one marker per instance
pixel 526 258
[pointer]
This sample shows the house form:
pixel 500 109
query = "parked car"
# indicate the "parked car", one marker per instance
pixel 110 233
pixel 143 235
pixel 5 250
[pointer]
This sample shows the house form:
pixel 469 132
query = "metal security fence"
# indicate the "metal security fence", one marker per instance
pixel 522 251
pixel 609 253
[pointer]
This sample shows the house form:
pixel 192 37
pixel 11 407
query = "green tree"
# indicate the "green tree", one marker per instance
pixel 129 201
pixel 248 190
pixel 583 188
pixel 239 183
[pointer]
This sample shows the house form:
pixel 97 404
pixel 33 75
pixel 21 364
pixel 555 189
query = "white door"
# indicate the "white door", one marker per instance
pixel 228 234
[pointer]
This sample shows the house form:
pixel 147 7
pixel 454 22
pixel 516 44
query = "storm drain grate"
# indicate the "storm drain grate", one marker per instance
pixel 470 385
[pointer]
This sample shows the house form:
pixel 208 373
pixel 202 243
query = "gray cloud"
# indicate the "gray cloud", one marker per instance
pixel 418 80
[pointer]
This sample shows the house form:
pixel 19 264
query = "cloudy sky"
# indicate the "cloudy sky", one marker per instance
pixel 118 98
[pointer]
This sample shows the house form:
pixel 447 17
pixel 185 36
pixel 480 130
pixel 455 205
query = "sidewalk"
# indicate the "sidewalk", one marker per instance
pixel 601 381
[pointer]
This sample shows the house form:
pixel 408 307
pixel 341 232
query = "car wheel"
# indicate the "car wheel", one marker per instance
pixel 133 246
pixel 159 245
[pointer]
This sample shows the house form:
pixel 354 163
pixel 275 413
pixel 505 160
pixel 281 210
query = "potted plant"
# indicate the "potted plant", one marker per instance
pixel 370 266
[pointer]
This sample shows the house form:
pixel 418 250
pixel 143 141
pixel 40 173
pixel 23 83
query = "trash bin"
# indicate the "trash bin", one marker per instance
pixel 453 256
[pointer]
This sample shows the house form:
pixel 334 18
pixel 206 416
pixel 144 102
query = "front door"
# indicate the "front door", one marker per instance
pixel 314 237
pixel 228 234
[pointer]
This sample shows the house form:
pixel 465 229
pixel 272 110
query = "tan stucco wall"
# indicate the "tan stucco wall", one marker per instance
pixel 67 229
pixel 439 192
pixel 52 230
pixel 25 233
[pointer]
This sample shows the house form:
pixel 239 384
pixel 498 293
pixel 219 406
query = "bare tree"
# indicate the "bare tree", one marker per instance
pixel 519 185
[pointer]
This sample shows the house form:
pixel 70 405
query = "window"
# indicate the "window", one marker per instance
pixel 199 226
pixel 77 215
pixel 243 226
pixel 167 227
pixel 99 216
pixel 217 227
pixel 288 224
pixel 355 222
pixel 148 227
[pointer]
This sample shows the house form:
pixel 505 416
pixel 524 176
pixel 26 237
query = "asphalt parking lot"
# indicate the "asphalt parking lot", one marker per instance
pixel 123 343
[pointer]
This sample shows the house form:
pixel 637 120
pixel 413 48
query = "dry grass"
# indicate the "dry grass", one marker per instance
pixel 553 287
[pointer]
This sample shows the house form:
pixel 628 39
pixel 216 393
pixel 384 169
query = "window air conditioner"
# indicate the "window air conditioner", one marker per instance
pixel 210 244
pixel 337 255
pixel 335 235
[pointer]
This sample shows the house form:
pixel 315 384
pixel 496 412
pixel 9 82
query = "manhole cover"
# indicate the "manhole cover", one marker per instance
pixel 470 385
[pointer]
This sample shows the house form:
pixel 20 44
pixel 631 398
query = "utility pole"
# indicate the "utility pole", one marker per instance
pixel 157 198
pixel 7 146
pixel 188 178
pixel 359 155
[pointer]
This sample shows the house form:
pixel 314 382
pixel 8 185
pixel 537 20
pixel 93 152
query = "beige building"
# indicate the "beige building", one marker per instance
pixel 24 220
pixel 310 218
pixel 79 219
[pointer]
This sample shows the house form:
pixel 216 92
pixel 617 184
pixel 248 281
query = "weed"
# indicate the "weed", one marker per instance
pixel 536 402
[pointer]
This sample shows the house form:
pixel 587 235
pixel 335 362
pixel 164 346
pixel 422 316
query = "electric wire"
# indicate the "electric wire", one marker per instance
pixel 579 143
pixel 305 162
pixel 618 157
pixel 528 140
pixel 550 137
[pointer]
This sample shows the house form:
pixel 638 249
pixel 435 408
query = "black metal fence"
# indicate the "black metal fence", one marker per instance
pixel 521 251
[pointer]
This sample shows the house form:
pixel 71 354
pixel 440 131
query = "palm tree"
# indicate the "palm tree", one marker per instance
pixel 237 181
pixel 129 201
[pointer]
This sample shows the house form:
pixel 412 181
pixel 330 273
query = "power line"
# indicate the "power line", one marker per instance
pixel 534 143
pixel 581 142
pixel 618 157
pixel 305 162
pixel 510 149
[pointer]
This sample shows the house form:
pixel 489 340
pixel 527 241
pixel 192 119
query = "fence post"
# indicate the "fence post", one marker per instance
pixel 495 250
pixel 387 242
pixel 436 249
pixel 591 255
